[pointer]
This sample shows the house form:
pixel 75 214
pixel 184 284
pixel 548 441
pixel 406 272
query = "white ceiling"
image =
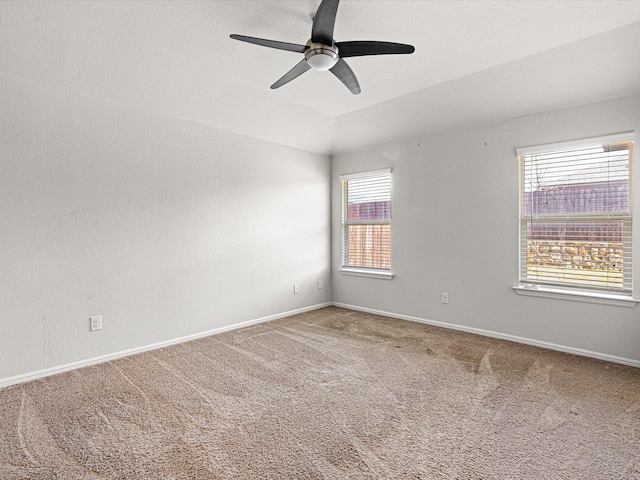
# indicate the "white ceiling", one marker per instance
pixel 175 58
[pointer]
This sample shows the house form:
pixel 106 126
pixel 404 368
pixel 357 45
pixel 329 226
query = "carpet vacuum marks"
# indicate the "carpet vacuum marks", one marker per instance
pixel 328 394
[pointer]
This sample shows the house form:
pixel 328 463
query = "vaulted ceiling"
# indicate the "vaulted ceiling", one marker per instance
pixel 475 62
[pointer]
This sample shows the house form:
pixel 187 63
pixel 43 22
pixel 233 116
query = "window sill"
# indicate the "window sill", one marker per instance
pixel 363 272
pixel 576 296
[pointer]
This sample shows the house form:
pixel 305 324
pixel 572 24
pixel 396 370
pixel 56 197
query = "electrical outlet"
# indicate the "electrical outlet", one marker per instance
pixel 445 297
pixel 96 323
pixel 319 284
pixel 296 288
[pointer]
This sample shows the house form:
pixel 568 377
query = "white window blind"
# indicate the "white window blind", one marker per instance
pixel 575 214
pixel 366 220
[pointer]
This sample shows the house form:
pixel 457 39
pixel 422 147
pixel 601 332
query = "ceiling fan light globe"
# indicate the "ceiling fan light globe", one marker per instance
pixel 321 57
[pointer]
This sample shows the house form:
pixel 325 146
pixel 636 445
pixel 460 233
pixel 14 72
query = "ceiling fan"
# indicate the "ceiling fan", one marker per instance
pixel 321 52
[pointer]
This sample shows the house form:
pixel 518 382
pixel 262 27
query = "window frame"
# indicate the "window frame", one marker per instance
pixel 379 273
pixel 622 297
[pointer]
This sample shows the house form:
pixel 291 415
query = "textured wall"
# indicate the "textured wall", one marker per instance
pixel 455 230
pixel 164 227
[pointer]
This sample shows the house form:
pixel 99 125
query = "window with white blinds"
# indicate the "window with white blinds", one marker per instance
pixel 575 214
pixel 366 220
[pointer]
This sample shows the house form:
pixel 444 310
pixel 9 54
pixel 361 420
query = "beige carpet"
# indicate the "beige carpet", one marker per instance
pixel 329 394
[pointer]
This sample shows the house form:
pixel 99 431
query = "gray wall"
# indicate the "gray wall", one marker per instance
pixel 455 230
pixel 165 228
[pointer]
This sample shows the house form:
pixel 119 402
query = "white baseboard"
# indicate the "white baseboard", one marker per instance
pixel 502 336
pixel 26 377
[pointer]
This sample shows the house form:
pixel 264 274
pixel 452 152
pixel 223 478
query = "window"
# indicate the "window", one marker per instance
pixel 366 220
pixel 575 215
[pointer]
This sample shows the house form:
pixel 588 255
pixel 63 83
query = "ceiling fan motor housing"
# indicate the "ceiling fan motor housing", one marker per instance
pixel 320 56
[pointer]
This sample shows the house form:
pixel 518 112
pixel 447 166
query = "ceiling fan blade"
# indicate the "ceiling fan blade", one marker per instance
pixel 291 47
pixel 324 21
pixel 362 48
pixel 346 76
pixel 295 72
